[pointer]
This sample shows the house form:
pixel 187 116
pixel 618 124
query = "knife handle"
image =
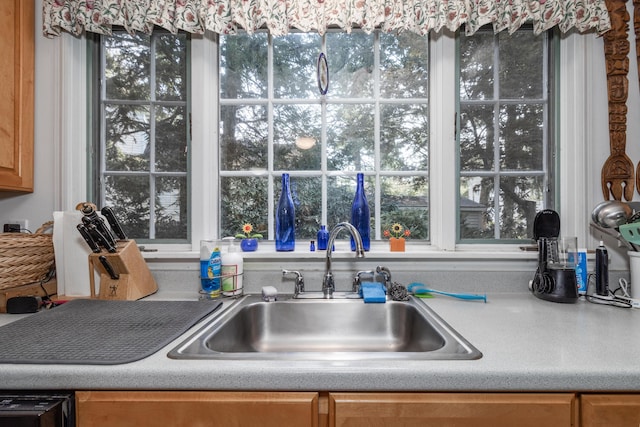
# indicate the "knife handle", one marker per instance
pixel 107 266
pixel 107 212
pixel 88 238
pixel 100 238
pixel 100 224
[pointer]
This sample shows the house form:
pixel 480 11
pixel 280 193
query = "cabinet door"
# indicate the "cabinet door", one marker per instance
pixel 194 408
pixel 605 410
pixel 451 409
pixel 17 47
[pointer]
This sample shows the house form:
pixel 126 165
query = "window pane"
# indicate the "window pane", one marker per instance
pixel 340 193
pixel 350 137
pixel 296 132
pixel 171 207
pixel 520 199
pixel 127 61
pixel 243 137
pixel 521 66
pixel 404 140
pixel 294 66
pixel 476 66
pixel 244 200
pixel 243 66
pixel 405 200
pixel 130 195
pixel 404 60
pixel 145 112
pixel 127 144
pixel 171 67
pixel 368 121
pixel 351 60
pixel 504 136
pixel 476 137
pixel 521 134
pixel 171 139
pixel 307 200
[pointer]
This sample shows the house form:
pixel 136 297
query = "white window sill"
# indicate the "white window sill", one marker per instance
pixel 379 251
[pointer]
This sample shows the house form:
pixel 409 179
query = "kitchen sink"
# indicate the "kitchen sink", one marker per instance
pixel 335 329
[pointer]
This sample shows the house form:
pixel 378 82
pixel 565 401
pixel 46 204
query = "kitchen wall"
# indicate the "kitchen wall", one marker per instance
pixel 49 154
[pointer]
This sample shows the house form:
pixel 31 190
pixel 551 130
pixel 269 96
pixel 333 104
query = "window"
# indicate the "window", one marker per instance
pixel 505 139
pixel 144 133
pixel 374 119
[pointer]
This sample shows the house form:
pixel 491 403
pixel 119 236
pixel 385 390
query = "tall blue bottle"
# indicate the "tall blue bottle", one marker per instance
pixel 360 215
pixel 285 219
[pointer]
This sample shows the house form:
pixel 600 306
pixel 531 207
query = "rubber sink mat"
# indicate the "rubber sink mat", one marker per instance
pixel 95 332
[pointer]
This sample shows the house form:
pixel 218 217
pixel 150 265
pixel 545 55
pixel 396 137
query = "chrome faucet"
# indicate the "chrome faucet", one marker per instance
pixel 328 285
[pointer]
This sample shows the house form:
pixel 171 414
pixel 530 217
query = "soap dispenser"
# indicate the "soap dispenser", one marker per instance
pixel 232 269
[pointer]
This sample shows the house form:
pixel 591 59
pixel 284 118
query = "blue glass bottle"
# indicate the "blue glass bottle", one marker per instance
pixel 285 219
pixel 360 218
pixel 323 238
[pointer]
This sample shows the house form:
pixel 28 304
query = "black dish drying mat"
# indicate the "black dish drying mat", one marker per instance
pixel 96 332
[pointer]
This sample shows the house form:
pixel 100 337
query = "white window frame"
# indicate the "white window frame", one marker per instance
pixel 578 141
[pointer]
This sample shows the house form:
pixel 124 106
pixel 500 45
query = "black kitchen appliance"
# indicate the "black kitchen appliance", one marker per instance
pixel 552 281
pixel 37 409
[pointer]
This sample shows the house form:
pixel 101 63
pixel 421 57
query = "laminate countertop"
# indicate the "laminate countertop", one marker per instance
pixel 527 344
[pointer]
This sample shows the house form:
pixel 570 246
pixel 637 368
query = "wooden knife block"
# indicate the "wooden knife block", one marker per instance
pixel 135 280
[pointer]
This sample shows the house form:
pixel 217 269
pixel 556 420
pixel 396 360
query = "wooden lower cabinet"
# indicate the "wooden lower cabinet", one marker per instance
pixel 452 409
pixel 605 410
pixel 195 408
pixel 300 409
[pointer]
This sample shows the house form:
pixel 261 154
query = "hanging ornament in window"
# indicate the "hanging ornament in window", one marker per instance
pixel 323 74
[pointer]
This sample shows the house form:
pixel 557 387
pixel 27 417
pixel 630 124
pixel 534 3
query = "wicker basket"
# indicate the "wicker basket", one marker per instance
pixel 26 258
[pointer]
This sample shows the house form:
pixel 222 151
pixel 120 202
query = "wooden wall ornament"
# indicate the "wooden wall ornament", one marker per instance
pixel 618 170
pixel 636 28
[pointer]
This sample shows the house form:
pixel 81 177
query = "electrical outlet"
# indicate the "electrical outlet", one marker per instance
pixel 23 223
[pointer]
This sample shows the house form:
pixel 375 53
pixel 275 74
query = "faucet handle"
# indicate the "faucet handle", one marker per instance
pixel 385 273
pixel 299 280
pixel 357 280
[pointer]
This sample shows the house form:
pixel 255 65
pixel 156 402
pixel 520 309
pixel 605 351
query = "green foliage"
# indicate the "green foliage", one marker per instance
pixel 129 174
pixel 146 174
pixel 513 128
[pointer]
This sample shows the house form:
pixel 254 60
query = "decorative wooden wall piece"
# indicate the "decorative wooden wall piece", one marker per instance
pixel 636 27
pixel 618 170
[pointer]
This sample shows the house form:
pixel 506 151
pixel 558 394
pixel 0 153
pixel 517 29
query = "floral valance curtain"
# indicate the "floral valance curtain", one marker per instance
pixel 279 16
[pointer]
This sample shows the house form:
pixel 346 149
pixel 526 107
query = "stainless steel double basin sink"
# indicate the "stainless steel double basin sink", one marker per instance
pixel 319 329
